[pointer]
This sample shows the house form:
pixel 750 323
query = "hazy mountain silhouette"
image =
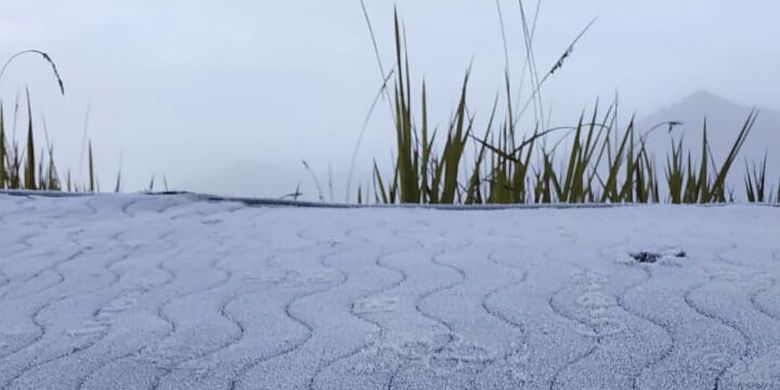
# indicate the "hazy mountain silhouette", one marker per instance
pixel 724 121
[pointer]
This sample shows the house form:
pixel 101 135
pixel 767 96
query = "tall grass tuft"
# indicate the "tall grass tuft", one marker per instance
pixel 595 161
pixel 22 168
pixel 688 184
pixel 3 154
pixel 421 174
pixel 29 168
pixel 755 183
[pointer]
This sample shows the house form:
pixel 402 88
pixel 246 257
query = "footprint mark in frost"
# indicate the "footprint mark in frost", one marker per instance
pixel 443 355
pixel 709 360
pixel 599 322
pixel 122 303
pixel 274 280
pixel 376 305
pixel 211 222
pixel 597 303
pixel 318 278
pixel 294 279
pixel 457 356
pixel 88 328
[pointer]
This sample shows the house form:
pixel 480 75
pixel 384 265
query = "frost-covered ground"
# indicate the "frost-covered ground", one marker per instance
pixel 138 292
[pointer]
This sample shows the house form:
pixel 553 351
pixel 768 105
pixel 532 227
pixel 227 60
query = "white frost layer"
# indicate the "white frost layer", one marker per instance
pixel 134 291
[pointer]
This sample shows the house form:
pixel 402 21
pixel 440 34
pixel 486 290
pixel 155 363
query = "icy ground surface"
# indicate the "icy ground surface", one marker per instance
pixel 164 292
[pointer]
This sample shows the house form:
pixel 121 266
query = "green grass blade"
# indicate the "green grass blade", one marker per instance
pixel 91 162
pixel 2 149
pixel 29 169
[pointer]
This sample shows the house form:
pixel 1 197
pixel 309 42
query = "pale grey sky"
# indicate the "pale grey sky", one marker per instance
pixel 185 87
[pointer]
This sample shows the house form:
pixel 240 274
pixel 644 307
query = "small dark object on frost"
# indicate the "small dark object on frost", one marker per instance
pixel 646 257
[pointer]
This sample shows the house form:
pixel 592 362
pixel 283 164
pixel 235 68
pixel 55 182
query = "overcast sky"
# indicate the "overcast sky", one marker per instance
pixel 185 87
